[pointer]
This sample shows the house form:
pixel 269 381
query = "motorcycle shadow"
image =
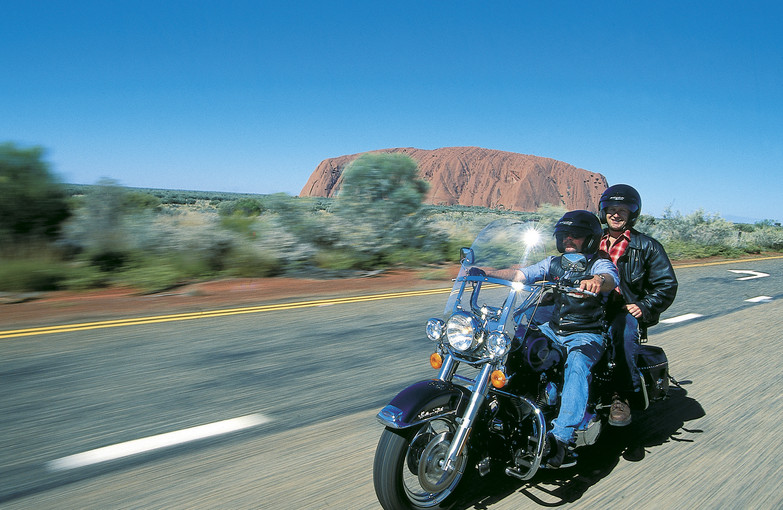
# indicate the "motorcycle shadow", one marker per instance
pixel 663 422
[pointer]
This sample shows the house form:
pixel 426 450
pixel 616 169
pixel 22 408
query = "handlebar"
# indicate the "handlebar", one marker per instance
pixel 479 275
pixel 564 288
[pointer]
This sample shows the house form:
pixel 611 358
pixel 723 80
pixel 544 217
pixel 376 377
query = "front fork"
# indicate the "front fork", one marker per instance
pixel 479 391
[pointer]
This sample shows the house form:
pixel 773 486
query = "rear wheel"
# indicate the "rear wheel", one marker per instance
pixel 408 470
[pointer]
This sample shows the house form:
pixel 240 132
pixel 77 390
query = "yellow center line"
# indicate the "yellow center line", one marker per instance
pixel 723 262
pixel 65 328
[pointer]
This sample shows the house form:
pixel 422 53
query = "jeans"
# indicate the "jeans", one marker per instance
pixel 584 350
pixel 624 332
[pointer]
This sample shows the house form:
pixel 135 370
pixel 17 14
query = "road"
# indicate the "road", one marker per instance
pixel 311 379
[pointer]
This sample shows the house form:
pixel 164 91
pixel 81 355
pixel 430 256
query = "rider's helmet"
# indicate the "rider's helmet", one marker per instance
pixel 579 224
pixel 621 194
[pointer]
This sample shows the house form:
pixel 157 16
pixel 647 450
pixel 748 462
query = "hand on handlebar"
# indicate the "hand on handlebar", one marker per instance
pixel 592 285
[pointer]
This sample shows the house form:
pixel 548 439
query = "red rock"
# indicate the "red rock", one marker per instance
pixel 482 177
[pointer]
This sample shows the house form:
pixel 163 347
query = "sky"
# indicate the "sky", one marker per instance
pixel 681 99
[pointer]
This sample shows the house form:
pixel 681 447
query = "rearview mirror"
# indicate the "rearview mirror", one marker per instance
pixel 466 256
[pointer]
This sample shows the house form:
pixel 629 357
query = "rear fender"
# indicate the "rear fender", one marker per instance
pixel 424 401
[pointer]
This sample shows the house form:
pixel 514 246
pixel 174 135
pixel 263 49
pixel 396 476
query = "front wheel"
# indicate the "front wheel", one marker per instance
pixel 408 470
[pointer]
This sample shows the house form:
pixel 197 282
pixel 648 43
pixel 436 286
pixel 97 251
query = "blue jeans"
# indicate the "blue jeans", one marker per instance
pixel 624 332
pixel 584 350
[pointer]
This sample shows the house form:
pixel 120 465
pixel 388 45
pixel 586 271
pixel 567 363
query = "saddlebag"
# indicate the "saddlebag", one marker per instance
pixel 654 366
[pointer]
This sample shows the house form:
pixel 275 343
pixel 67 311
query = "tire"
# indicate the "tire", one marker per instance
pixel 406 470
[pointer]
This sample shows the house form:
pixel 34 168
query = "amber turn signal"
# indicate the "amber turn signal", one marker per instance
pixel 498 379
pixel 436 360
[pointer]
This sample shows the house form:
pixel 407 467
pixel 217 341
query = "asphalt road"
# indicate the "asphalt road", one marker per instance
pixel 310 381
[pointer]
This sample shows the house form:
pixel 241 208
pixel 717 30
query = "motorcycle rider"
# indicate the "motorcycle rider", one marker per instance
pixel 577 322
pixel 647 288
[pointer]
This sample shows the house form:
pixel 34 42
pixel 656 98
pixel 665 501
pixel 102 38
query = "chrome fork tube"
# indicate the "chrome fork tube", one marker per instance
pixel 448 368
pixel 480 389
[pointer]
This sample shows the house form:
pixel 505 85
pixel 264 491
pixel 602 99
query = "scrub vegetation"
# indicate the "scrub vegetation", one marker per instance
pixel 65 236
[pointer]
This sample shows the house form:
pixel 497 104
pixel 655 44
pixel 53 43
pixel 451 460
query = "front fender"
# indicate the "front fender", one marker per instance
pixel 422 402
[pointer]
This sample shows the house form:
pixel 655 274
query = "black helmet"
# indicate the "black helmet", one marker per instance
pixel 621 194
pixel 579 224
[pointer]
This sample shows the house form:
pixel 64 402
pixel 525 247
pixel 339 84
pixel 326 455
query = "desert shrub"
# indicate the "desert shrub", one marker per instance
pixel 240 224
pixel 84 277
pixel 97 228
pixel 32 202
pixel 699 235
pixel 341 259
pixel 378 206
pixel 413 257
pixel 138 201
pixel 250 261
pixel 152 277
pixel 679 249
pixel 769 237
pixel 24 275
pixel 241 207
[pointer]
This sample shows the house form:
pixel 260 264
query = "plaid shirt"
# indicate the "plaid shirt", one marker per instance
pixel 618 248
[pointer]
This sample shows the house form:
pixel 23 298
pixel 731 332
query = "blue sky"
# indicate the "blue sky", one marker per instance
pixel 683 100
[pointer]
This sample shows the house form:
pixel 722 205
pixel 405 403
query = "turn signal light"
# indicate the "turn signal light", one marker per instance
pixel 498 379
pixel 436 360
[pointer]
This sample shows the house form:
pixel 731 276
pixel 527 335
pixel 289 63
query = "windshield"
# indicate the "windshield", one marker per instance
pixel 502 244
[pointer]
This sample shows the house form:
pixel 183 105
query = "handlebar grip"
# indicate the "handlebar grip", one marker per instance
pixel 580 291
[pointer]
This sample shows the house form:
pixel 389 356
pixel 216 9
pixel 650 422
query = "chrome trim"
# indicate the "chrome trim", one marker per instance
pixel 644 389
pixel 391 416
pixel 464 379
pixel 479 389
pixel 540 425
pixel 448 368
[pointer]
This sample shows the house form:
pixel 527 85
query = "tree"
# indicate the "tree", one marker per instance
pixel 385 187
pixel 33 204
pixel 378 204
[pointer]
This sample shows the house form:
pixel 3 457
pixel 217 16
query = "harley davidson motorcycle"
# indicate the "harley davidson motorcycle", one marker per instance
pixel 494 413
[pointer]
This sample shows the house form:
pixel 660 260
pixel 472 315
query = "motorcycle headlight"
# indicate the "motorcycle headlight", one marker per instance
pixel 497 344
pixel 435 329
pixel 462 332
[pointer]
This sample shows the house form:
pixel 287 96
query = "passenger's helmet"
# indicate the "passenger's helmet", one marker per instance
pixel 621 194
pixel 579 224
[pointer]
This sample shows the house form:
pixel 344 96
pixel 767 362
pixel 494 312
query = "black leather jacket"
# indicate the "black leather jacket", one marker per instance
pixel 646 278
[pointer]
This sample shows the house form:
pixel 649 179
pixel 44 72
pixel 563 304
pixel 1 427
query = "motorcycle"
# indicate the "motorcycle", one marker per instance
pixel 494 413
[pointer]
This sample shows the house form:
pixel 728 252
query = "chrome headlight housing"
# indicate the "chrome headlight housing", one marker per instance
pixel 498 344
pixel 462 332
pixel 436 328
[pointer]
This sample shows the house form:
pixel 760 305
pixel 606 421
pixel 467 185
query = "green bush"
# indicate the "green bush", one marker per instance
pixel 248 262
pixel 240 224
pixel 241 207
pixel 342 259
pixel 32 275
pixel 412 257
pixel 152 278
pixel 33 204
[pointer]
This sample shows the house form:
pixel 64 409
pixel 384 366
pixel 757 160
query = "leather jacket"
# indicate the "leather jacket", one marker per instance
pixel 646 278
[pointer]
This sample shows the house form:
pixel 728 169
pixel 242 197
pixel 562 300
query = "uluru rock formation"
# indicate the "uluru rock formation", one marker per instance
pixel 482 177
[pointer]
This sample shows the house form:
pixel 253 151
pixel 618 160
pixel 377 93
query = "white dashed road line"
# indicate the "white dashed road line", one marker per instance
pixel 681 318
pixel 147 444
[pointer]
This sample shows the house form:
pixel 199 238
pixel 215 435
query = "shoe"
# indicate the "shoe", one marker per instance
pixel 557 454
pixel 619 412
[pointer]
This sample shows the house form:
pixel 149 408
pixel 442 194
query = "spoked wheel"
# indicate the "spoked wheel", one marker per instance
pixel 408 471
